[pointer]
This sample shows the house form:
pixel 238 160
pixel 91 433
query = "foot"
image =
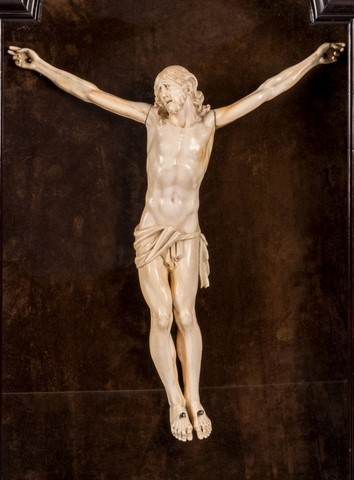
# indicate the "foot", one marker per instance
pixel 181 426
pixel 201 422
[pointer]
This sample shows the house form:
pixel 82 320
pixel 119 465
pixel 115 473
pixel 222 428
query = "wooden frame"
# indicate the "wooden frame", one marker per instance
pixel 332 10
pixel 342 11
pixel 321 11
pixel 20 9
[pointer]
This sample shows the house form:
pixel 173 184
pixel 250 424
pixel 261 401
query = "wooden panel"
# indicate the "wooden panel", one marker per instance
pixel 329 11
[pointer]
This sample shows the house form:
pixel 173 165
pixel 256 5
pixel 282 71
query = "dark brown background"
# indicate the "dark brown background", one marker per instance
pixel 82 396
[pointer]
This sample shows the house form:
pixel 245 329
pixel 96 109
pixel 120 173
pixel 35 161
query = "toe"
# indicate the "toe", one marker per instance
pixel 199 433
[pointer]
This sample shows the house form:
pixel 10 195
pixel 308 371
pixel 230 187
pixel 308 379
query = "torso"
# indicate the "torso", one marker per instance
pixel 177 158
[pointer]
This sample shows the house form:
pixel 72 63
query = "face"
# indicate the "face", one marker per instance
pixel 172 96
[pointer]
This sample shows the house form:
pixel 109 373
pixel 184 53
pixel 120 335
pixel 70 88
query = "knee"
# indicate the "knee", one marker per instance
pixel 161 319
pixel 186 319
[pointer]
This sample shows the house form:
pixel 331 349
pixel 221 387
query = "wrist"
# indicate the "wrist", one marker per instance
pixel 315 58
pixel 39 65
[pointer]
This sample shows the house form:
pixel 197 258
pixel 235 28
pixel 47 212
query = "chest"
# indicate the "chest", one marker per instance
pixel 169 144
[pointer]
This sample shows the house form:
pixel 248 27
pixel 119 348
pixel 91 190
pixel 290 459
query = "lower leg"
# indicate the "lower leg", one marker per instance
pixel 189 348
pixel 163 353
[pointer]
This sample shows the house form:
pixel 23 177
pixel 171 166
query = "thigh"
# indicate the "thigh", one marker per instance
pixel 155 286
pixel 185 277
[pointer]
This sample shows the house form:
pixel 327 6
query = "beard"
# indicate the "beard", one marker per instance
pixel 176 105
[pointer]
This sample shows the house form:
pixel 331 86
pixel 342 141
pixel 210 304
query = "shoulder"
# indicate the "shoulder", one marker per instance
pixel 209 119
pixel 152 117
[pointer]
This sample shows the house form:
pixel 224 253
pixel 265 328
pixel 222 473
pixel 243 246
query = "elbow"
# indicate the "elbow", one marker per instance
pixel 91 94
pixel 266 95
pixel 263 95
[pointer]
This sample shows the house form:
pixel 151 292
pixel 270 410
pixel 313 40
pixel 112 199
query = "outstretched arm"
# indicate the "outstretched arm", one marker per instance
pixel 326 53
pixel 86 91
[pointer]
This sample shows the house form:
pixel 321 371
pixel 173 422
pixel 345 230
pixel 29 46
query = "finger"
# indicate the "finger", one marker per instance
pixel 340 46
pixel 13 50
pixel 13 47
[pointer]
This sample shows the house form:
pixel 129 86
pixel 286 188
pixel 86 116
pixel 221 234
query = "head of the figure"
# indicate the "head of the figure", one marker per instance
pixel 172 88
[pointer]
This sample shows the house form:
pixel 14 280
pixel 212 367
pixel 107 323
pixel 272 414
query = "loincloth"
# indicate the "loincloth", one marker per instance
pixel 167 242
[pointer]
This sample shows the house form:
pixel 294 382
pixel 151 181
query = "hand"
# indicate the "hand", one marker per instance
pixel 329 52
pixel 23 57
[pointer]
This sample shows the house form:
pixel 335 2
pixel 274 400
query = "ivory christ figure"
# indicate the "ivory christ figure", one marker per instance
pixel 171 251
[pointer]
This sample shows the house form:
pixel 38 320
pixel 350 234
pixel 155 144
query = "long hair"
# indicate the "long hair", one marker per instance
pixel 187 81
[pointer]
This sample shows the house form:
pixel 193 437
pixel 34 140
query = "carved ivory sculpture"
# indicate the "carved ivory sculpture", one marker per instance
pixel 171 252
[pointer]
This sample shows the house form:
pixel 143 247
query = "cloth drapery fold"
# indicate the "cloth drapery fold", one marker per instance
pixel 167 242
